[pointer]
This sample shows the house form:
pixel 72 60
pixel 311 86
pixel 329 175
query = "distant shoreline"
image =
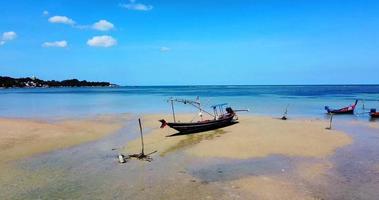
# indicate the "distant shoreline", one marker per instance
pixel 111 86
pixel 34 82
pixel 193 86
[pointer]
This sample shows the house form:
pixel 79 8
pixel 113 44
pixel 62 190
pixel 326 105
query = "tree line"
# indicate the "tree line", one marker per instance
pixel 8 82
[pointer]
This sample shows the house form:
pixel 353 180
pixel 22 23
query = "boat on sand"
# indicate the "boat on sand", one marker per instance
pixel 221 118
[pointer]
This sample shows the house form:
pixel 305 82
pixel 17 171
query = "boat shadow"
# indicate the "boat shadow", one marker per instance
pixel 192 139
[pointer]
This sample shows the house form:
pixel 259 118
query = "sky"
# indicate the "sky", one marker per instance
pixel 197 42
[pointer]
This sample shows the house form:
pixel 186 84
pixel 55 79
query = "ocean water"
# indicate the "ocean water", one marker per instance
pixel 91 171
pixel 260 100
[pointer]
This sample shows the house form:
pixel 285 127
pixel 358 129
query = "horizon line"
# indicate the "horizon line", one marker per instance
pixel 189 85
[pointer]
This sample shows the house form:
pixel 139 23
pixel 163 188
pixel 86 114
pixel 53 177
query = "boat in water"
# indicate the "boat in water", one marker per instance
pixel 373 113
pixel 221 118
pixel 346 110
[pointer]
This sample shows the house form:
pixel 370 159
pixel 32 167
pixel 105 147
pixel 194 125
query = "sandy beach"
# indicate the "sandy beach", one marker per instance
pixel 20 138
pixel 256 138
pixel 239 100
pixel 253 137
pixel 259 158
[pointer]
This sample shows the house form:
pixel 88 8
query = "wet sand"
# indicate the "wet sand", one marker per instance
pixel 256 138
pixel 374 125
pixel 20 138
pixel 266 187
pixel 251 138
pixel 259 158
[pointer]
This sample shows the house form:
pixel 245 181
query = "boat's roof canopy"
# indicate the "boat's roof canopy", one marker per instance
pixel 219 105
pixel 185 101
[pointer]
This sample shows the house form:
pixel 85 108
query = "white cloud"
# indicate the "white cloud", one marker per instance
pixel 45 12
pixel 132 5
pixel 61 20
pixel 102 41
pixel 7 36
pixel 165 49
pixel 103 25
pixel 59 44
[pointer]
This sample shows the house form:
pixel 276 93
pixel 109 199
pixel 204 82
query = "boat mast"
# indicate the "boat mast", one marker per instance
pixel 200 113
pixel 193 103
pixel 173 110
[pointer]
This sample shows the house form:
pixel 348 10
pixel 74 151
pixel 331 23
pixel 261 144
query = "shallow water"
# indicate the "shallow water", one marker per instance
pixel 229 169
pixel 91 171
pixel 306 101
pixel 192 139
pixel 67 173
pixel 357 165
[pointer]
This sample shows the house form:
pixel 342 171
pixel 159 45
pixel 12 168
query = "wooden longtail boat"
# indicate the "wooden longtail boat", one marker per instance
pixel 373 113
pixel 220 118
pixel 345 110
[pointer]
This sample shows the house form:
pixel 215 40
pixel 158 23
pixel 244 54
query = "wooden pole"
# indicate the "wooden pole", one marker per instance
pixel 331 120
pixel 173 111
pixel 363 105
pixel 200 113
pixel 140 128
pixel 285 114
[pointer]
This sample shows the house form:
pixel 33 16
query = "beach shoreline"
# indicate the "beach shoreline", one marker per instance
pixel 253 136
pixel 24 137
pixel 257 157
pixel 15 130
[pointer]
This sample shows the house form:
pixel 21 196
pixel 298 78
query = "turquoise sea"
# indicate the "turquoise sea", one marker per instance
pixel 302 100
pixel 91 171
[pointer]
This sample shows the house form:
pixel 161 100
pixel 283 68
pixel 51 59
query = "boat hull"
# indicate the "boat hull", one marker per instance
pixel 374 115
pixel 340 112
pixel 346 110
pixel 202 126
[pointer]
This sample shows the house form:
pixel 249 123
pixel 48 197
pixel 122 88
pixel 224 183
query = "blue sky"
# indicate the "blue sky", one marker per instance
pixel 198 42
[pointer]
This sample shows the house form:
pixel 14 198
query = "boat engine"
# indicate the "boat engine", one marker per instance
pixel 229 110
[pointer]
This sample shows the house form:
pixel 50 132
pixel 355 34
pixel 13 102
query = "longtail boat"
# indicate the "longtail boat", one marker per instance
pixel 346 110
pixel 220 119
pixel 373 113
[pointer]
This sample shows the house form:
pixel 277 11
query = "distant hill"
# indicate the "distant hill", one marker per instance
pixel 8 82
